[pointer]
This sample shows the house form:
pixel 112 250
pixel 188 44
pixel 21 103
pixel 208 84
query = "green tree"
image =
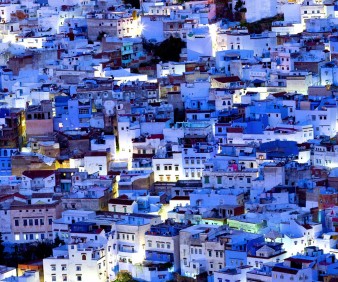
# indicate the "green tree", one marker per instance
pixel 100 36
pixel 238 5
pixel 170 49
pixel 58 241
pixel 124 277
pixel 133 3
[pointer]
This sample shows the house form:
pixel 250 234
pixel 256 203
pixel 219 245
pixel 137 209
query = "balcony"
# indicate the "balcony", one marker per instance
pixel 128 250
pixel 155 256
pixel 125 261
pixel 158 266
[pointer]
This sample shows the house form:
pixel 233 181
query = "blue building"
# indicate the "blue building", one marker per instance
pixel 72 114
pixel 163 245
pixel 5 161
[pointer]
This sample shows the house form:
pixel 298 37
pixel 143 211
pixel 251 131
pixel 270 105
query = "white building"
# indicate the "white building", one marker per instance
pixel 193 255
pixel 96 162
pixel 167 164
pixel 287 132
pixel 42 181
pixel 106 143
pixel 194 159
pixel 128 241
pixel 80 262
pixel 323 117
pixel 61 225
pixel 7 272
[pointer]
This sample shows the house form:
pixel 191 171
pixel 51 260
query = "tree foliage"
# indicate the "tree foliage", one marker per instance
pixel 133 3
pixel 124 277
pixel 263 24
pixel 170 49
pixel 22 253
pixel 100 36
pixel 238 6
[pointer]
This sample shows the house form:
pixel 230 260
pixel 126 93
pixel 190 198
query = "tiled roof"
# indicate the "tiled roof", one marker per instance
pixel 234 129
pixel 156 136
pixel 285 270
pixel 227 79
pixel 179 198
pixel 42 195
pixel 121 202
pixel 96 154
pixel 38 173
pixel 6 197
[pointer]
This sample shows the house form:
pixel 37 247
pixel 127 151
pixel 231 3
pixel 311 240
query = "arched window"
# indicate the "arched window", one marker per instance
pixel 84 257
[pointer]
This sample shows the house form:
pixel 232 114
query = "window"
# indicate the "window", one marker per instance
pixel 64 277
pixel 53 277
pixel 78 278
pixel 50 221
pixel 30 222
pixel 84 257
pixel 42 222
pixel 53 267
pixel 84 111
pixel 63 267
pixel 206 179
pixel 219 179
pixel 16 222
pixel 78 268
pixel 36 221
